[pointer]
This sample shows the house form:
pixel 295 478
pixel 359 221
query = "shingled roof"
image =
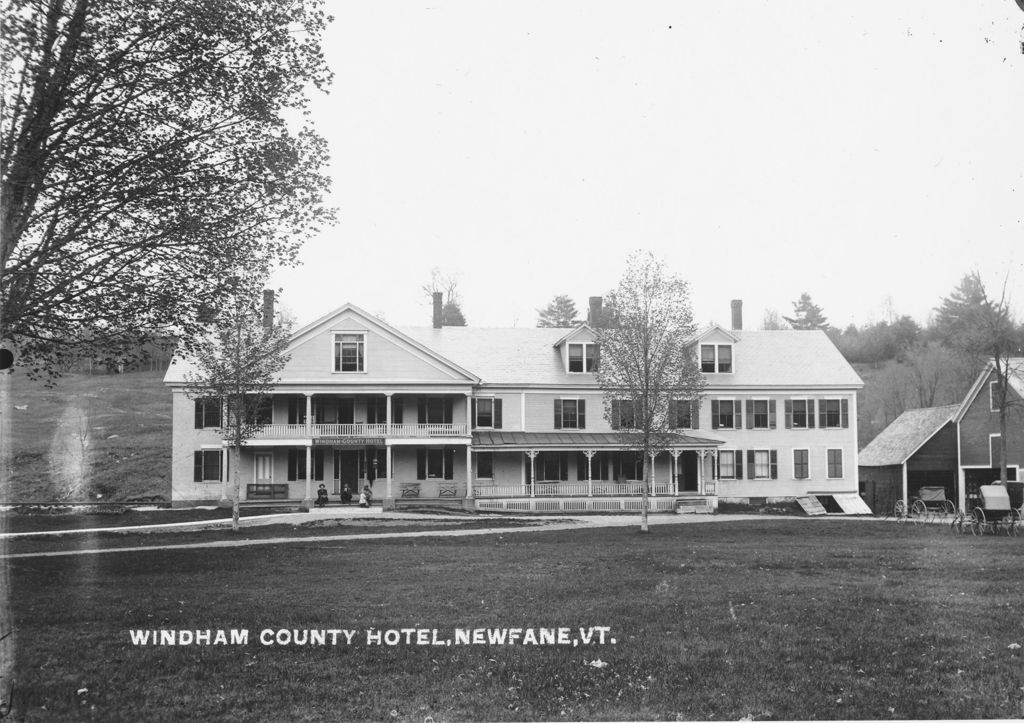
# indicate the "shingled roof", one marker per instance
pixel 905 435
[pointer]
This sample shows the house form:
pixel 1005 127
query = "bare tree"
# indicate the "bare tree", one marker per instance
pixel 772 321
pixel 646 356
pixel 447 285
pixel 239 364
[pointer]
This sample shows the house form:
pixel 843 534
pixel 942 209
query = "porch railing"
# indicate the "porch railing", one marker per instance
pixel 572 489
pixel 299 431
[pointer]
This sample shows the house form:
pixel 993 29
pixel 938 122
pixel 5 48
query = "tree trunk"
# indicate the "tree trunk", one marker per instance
pixel 238 489
pixel 7 648
pixel 1002 437
pixel 645 486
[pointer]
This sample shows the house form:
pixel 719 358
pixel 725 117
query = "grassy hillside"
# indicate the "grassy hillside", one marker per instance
pixel 102 437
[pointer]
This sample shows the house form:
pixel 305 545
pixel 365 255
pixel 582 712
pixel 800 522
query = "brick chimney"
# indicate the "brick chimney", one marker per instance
pixel 438 303
pixel 737 314
pixel 268 308
pixel 594 315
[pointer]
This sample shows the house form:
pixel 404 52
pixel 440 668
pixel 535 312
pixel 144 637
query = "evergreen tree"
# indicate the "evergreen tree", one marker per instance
pixel 560 312
pixel 807 315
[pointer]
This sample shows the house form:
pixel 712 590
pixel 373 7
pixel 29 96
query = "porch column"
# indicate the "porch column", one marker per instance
pixel 701 454
pixel 589 453
pixel 469 472
pixel 903 467
pixel 309 473
pixel 390 462
pixel 533 476
pixel 309 420
pixel 653 489
pixel 675 470
pixel 469 412
pixel 387 421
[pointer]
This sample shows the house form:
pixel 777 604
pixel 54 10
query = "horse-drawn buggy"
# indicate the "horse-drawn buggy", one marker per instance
pixel 992 513
pixel 930 502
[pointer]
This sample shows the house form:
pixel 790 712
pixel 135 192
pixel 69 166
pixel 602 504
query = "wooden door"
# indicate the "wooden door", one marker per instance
pixel 264 468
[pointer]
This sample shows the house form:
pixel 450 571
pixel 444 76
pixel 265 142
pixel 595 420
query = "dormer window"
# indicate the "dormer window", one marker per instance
pixel 582 357
pixel 349 352
pixel 716 358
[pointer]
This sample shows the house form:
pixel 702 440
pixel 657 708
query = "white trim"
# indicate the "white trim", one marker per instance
pixel 734 401
pixel 753 476
pixel 823 413
pixel 568 356
pixel 716 347
pixel 992 462
pixel 718 467
pixel 767 413
pixel 335 333
pixel 807 412
pixel 571 399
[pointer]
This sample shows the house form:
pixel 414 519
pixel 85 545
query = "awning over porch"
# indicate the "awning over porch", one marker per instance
pixel 515 441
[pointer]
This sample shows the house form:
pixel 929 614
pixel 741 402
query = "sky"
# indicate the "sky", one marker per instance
pixel 868 153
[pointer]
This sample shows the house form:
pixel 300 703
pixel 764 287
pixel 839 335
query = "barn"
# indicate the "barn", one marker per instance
pixel 919 449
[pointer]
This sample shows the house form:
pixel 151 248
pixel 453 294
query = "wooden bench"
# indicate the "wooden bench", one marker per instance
pixel 410 490
pixel 266 492
pixel 447 491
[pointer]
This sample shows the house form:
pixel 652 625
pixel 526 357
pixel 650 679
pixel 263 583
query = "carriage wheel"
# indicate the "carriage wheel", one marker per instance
pixel 919 512
pixel 957 525
pixel 978 521
pixel 1013 523
pixel 948 508
pixel 900 511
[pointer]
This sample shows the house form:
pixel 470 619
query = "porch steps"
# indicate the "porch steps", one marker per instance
pixel 695 505
pixel 428 504
pixel 574 504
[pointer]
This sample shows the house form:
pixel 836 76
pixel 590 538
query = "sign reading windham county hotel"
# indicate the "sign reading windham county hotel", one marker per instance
pixel 348 441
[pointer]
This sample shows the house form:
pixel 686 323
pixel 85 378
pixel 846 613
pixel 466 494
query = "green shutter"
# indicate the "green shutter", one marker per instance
pixel 845 407
pixel 558 414
pixel 199 415
pixel 673 414
pixel 737 457
pixel 497 414
pixel 789 413
pixel 695 414
pixel 750 414
pixel 750 464
pixel 774 461
pixel 771 414
pixel 197 467
pixel 714 413
pixel 616 413
pixel 473 413
pixel 581 414
pixel 810 413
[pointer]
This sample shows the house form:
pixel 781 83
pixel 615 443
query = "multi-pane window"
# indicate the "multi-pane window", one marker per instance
pixel 832 413
pixel 835 463
pixel 208 410
pixel 582 357
pixel 349 352
pixel 552 466
pixel 570 414
pixel 682 414
pixel 484 465
pixel 759 418
pixel 729 465
pixel 801 464
pixel 724 414
pixel 800 413
pixel 762 464
pixel 716 358
pixel 435 463
pixel 206 465
pixel 623 416
pixel 487 413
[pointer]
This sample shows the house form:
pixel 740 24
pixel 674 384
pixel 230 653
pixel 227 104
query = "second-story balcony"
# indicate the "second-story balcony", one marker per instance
pixel 361 430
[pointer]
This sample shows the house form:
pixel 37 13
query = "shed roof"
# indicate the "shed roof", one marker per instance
pixel 897 442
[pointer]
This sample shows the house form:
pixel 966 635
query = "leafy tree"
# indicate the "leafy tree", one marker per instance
pixel 145 153
pixel 806 315
pixel 560 312
pixel 448 287
pixel 239 362
pixel 646 356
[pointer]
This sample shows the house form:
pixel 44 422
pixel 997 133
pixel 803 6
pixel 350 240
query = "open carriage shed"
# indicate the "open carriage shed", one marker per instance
pixel 919 449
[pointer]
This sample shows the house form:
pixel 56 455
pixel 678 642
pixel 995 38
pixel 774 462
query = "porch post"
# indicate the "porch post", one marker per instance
pixel 675 470
pixel 533 476
pixel 469 412
pixel 653 488
pixel 387 421
pixel 309 419
pixel 389 457
pixel 700 471
pixel 590 482
pixel 469 472
pixel 309 474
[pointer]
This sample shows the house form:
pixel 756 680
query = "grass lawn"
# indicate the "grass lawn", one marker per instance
pixel 790 619
pixel 91 437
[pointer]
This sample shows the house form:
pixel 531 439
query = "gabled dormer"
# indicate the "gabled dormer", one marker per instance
pixel 579 350
pixel 716 350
